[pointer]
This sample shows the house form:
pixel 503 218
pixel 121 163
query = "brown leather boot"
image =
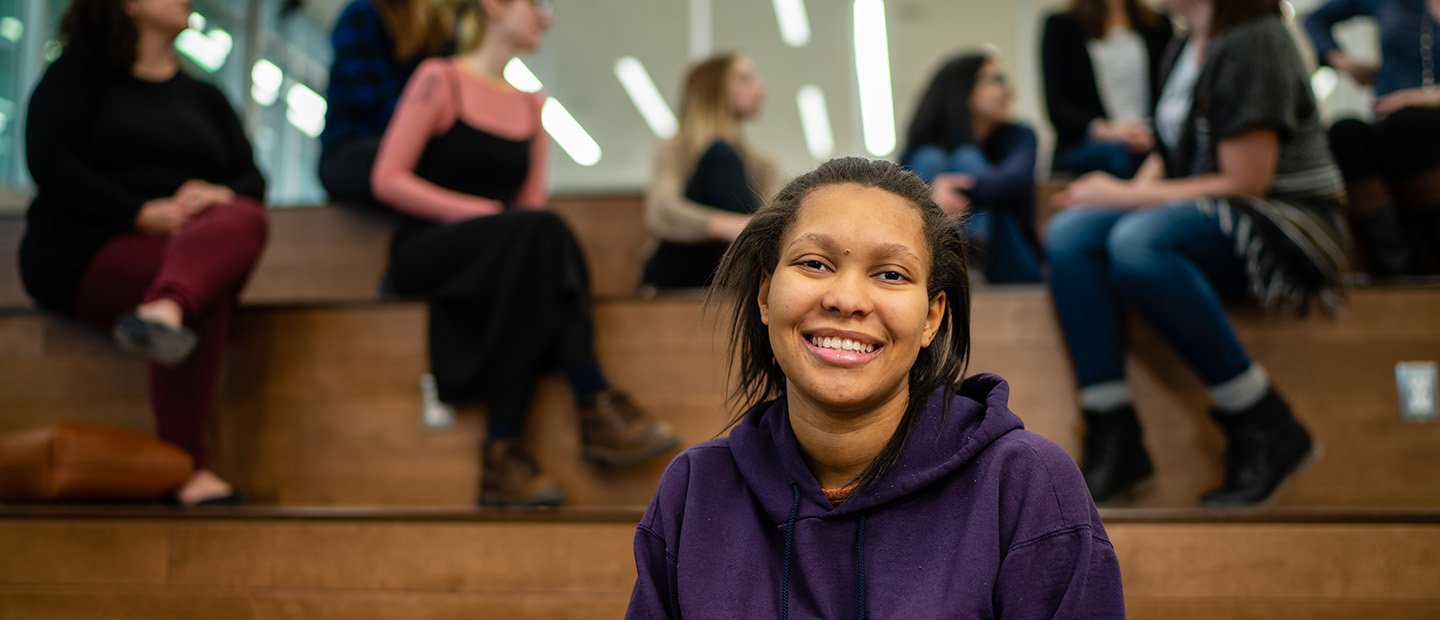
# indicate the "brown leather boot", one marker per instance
pixel 613 432
pixel 512 479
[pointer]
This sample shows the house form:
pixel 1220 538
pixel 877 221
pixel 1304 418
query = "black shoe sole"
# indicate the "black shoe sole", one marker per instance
pixel 1306 462
pixel 157 342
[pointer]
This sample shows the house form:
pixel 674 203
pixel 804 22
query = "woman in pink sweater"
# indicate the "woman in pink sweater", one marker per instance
pixel 464 162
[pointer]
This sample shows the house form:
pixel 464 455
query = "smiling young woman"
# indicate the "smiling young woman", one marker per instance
pixel 864 477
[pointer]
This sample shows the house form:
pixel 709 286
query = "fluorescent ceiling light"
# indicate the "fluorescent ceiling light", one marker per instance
pixel 11 29
pixel 815 120
pixel 520 76
pixel 646 96
pixel 305 110
pixel 568 133
pixel 208 51
pixel 872 70
pixel 794 23
pixel 265 81
pixel 562 127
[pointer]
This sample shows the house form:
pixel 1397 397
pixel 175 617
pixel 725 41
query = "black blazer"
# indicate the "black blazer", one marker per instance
pixel 1071 96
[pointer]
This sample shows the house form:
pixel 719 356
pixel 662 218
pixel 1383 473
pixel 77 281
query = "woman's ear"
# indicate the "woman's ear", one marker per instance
pixel 763 298
pixel 933 317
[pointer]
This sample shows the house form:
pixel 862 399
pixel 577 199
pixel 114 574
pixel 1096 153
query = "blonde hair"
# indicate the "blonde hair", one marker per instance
pixel 705 113
pixel 416 26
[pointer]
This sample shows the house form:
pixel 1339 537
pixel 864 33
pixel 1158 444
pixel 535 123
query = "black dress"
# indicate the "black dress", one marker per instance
pixel 508 294
pixel 720 180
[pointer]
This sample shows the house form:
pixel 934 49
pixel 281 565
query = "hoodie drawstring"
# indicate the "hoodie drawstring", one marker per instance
pixel 861 598
pixel 860 595
pixel 789 551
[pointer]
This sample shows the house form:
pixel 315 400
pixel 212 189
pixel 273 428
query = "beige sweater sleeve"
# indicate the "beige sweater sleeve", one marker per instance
pixel 668 215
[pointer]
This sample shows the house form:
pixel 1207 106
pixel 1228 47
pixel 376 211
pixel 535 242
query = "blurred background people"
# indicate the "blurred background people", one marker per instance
pixel 147 217
pixel 1391 165
pixel 708 179
pixel 1242 199
pixel 464 162
pixel 980 162
pixel 1100 61
pixel 377 46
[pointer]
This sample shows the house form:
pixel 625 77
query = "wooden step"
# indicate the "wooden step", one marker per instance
pixel 320 405
pixel 393 565
pixel 321 254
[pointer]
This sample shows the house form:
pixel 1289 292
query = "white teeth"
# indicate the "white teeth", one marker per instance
pixel 842 344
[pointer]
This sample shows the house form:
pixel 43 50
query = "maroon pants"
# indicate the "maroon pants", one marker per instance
pixel 202 268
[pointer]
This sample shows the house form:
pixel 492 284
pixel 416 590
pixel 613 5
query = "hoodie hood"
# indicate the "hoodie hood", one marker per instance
pixel 944 439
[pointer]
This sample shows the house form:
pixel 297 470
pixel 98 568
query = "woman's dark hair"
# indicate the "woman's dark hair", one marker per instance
pixel 100 33
pixel 416 27
pixel 755 255
pixel 1094 16
pixel 1230 13
pixel 943 116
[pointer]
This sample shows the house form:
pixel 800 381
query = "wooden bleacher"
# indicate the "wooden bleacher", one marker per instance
pixel 364 513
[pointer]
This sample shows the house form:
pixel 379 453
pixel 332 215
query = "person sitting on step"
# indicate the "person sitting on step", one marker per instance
pixel 147 215
pixel 464 163
pixel 980 162
pixel 1241 199
pixel 708 180
pixel 377 46
pixel 1391 165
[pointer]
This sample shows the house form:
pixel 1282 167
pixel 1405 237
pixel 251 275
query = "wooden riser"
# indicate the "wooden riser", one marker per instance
pixel 330 254
pixel 320 406
pixel 158 568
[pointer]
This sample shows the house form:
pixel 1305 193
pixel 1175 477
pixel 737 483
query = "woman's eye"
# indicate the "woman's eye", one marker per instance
pixel 813 264
pixel 892 276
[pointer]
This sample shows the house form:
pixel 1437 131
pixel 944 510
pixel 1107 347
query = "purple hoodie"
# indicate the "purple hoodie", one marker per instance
pixel 979 518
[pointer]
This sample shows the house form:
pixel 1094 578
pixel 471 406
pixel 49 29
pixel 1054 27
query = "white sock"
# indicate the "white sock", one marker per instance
pixel 1243 391
pixel 1103 397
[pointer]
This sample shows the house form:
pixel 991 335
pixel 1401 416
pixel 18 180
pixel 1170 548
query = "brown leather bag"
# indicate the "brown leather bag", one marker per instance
pixel 80 463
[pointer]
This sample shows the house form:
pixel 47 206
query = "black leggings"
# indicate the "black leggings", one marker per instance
pixel 509 298
pixel 1392 169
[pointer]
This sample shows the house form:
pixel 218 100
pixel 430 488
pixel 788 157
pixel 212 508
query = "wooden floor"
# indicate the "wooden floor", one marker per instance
pixel 366 514
pixel 320 405
pixel 381 567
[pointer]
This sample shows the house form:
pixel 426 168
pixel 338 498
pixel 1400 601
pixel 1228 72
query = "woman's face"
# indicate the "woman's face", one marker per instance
pixel 522 22
pixel 990 99
pixel 744 90
pixel 846 306
pixel 168 16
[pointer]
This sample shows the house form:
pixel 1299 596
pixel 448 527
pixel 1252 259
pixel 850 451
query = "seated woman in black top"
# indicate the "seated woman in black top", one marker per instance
pixel 464 162
pixel 963 142
pixel 147 215
pixel 722 177
pixel 1100 60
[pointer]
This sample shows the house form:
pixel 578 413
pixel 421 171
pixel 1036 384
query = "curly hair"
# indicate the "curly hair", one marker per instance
pixel 755 254
pixel 100 33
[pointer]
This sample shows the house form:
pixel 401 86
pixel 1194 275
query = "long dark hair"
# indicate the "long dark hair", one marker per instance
pixel 755 255
pixel 101 34
pixel 1230 13
pixel 943 116
pixel 417 27
pixel 1093 15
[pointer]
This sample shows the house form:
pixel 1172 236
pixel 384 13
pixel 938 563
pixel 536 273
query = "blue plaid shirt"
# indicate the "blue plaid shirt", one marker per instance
pixel 365 77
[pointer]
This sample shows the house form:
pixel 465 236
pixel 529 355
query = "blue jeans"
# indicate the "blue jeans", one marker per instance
pixel 1112 157
pixel 1010 255
pixel 1172 264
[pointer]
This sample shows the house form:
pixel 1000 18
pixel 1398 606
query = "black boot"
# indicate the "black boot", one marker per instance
pixel 1115 459
pixel 1266 443
pixel 1390 249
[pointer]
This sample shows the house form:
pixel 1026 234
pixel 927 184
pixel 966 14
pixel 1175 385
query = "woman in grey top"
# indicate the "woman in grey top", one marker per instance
pixel 1240 198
